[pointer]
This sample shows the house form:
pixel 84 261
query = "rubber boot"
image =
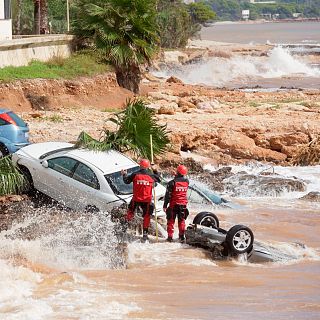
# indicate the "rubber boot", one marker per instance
pixel 169 239
pixel 182 238
pixel 145 235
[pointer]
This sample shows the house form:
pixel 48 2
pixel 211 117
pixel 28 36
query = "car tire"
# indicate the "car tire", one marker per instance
pixel 26 173
pixel 207 219
pixel 3 150
pixel 239 239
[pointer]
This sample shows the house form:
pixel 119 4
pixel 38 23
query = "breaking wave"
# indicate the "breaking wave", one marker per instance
pixel 219 71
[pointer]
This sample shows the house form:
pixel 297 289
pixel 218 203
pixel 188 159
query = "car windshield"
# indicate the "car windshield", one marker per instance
pixel 116 181
pixel 17 120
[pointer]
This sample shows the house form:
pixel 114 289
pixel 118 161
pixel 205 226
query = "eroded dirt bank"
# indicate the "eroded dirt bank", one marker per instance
pixel 223 125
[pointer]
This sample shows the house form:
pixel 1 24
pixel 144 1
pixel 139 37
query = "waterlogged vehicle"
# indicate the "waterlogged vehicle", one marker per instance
pixel 238 241
pixel 78 178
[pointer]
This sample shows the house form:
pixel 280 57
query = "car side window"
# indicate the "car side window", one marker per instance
pixel 63 165
pixel 85 175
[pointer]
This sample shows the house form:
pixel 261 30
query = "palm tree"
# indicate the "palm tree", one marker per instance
pixel 124 31
pixel 11 180
pixel 134 126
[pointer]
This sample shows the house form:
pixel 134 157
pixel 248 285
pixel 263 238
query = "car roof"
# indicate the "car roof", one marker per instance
pixel 107 161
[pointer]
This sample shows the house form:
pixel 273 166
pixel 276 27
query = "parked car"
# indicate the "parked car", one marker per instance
pixel 14 132
pixel 78 178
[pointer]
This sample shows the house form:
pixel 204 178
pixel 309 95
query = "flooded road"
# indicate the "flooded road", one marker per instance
pixel 53 277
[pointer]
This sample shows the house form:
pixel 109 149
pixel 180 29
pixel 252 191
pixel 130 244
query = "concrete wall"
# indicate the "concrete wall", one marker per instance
pixel 5 29
pixel 5 24
pixel 19 52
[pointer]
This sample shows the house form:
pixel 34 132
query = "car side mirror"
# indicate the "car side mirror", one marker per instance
pixel 45 164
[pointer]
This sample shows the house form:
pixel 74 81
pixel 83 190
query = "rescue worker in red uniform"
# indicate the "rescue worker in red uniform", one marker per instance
pixel 143 181
pixel 176 197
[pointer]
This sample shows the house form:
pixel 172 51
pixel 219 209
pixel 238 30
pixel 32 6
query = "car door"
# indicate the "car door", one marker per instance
pixel 85 187
pixel 54 180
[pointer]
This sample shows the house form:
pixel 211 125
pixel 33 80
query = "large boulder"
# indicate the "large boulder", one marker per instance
pixel 261 185
pixel 174 57
pixel 311 196
pixel 288 143
pixel 240 146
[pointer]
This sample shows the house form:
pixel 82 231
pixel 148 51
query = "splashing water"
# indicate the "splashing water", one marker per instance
pixel 221 71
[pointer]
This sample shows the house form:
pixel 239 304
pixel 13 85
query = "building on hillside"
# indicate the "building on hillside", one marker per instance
pixel 189 1
pixel 5 20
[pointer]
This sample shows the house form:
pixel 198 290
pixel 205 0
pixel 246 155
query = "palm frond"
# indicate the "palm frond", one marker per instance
pixel 134 126
pixel 11 180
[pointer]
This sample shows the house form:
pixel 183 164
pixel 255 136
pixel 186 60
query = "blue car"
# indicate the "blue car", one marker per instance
pixel 14 132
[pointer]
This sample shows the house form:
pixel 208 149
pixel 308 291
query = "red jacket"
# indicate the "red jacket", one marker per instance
pixel 142 184
pixel 176 192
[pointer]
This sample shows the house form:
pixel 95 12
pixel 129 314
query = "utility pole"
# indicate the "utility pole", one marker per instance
pixel 68 18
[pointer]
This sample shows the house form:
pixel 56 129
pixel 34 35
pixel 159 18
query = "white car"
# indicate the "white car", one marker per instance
pixel 78 178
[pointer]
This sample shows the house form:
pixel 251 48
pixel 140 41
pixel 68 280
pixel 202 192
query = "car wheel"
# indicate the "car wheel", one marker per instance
pixel 207 219
pixel 25 171
pixel 239 239
pixel 3 151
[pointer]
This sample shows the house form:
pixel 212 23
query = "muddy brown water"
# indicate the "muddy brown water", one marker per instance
pixel 56 278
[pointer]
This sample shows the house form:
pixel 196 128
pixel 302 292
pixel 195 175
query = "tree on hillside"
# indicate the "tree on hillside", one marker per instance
pixel 201 12
pixel 124 31
pixel 179 22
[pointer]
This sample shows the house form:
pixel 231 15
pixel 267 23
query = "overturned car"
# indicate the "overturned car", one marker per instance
pixel 238 241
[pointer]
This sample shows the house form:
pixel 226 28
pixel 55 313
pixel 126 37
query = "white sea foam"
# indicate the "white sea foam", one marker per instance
pixel 284 254
pixel 219 71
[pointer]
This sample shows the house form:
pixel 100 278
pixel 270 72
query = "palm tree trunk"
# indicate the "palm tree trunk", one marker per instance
pixel 18 17
pixel 44 27
pixel 36 17
pixel 129 77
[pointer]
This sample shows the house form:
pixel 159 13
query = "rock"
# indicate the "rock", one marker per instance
pixel 35 115
pixel 208 105
pixel 292 139
pixel 169 109
pixel 311 196
pixel 259 185
pixel 240 146
pixel 215 179
pixel 151 77
pixel 173 79
pixel 163 96
pixel 185 104
pixel 171 163
pixel 176 57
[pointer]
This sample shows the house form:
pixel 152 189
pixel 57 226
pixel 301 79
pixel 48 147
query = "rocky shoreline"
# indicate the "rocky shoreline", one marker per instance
pixel 218 126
